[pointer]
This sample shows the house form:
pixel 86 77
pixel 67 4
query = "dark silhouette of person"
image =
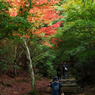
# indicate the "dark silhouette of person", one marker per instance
pixel 59 72
pixel 55 85
pixel 65 70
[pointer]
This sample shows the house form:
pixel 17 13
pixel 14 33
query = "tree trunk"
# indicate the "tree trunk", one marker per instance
pixel 30 68
pixel 15 71
pixel 16 59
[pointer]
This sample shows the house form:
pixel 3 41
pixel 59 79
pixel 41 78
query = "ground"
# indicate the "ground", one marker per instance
pixel 21 85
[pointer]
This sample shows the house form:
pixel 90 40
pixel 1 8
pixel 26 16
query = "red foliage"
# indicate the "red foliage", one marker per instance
pixel 55 41
pixel 43 14
pixel 46 43
pixel 39 2
pixel 48 31
pixel 26 36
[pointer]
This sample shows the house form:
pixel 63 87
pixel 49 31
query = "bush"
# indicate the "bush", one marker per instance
pixel 3 65
pixel 51 73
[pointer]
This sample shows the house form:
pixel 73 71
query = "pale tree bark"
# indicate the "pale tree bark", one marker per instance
pixel 30 61
pixel 30 67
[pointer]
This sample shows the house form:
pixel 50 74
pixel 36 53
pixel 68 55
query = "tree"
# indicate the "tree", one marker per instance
pixel 78 35
pixel 78 30
pixel 24 19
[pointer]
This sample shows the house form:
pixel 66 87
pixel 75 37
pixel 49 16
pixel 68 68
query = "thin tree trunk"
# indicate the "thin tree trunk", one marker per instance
pixel 30 62
pixel 16 60
pixel 15 71
pixel 30 68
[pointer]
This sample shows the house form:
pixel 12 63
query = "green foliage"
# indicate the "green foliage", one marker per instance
pixel 6 27
pixel 3 59
pixel 20 21
pixel 78 38
pixel 11 25
pixel 40 74
pixel 2 6
pixel 78 28
pixel 17 67
pixel 84 68
pixel 51 73
pixel 3 65
pixel 44 61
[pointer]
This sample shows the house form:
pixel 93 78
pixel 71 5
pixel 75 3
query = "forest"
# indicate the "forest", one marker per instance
pixel 37 36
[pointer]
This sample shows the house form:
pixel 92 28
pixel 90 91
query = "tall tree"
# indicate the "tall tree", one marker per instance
pixel 31 12
pixel 78 30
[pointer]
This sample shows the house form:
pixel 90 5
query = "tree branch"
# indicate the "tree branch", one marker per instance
pixel 4 36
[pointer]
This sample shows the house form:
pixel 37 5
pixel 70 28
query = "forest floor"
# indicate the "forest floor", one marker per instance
pixel 21 85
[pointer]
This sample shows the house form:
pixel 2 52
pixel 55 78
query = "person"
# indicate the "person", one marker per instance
pixel 65 70
pixel 55 85
pixel 59 72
